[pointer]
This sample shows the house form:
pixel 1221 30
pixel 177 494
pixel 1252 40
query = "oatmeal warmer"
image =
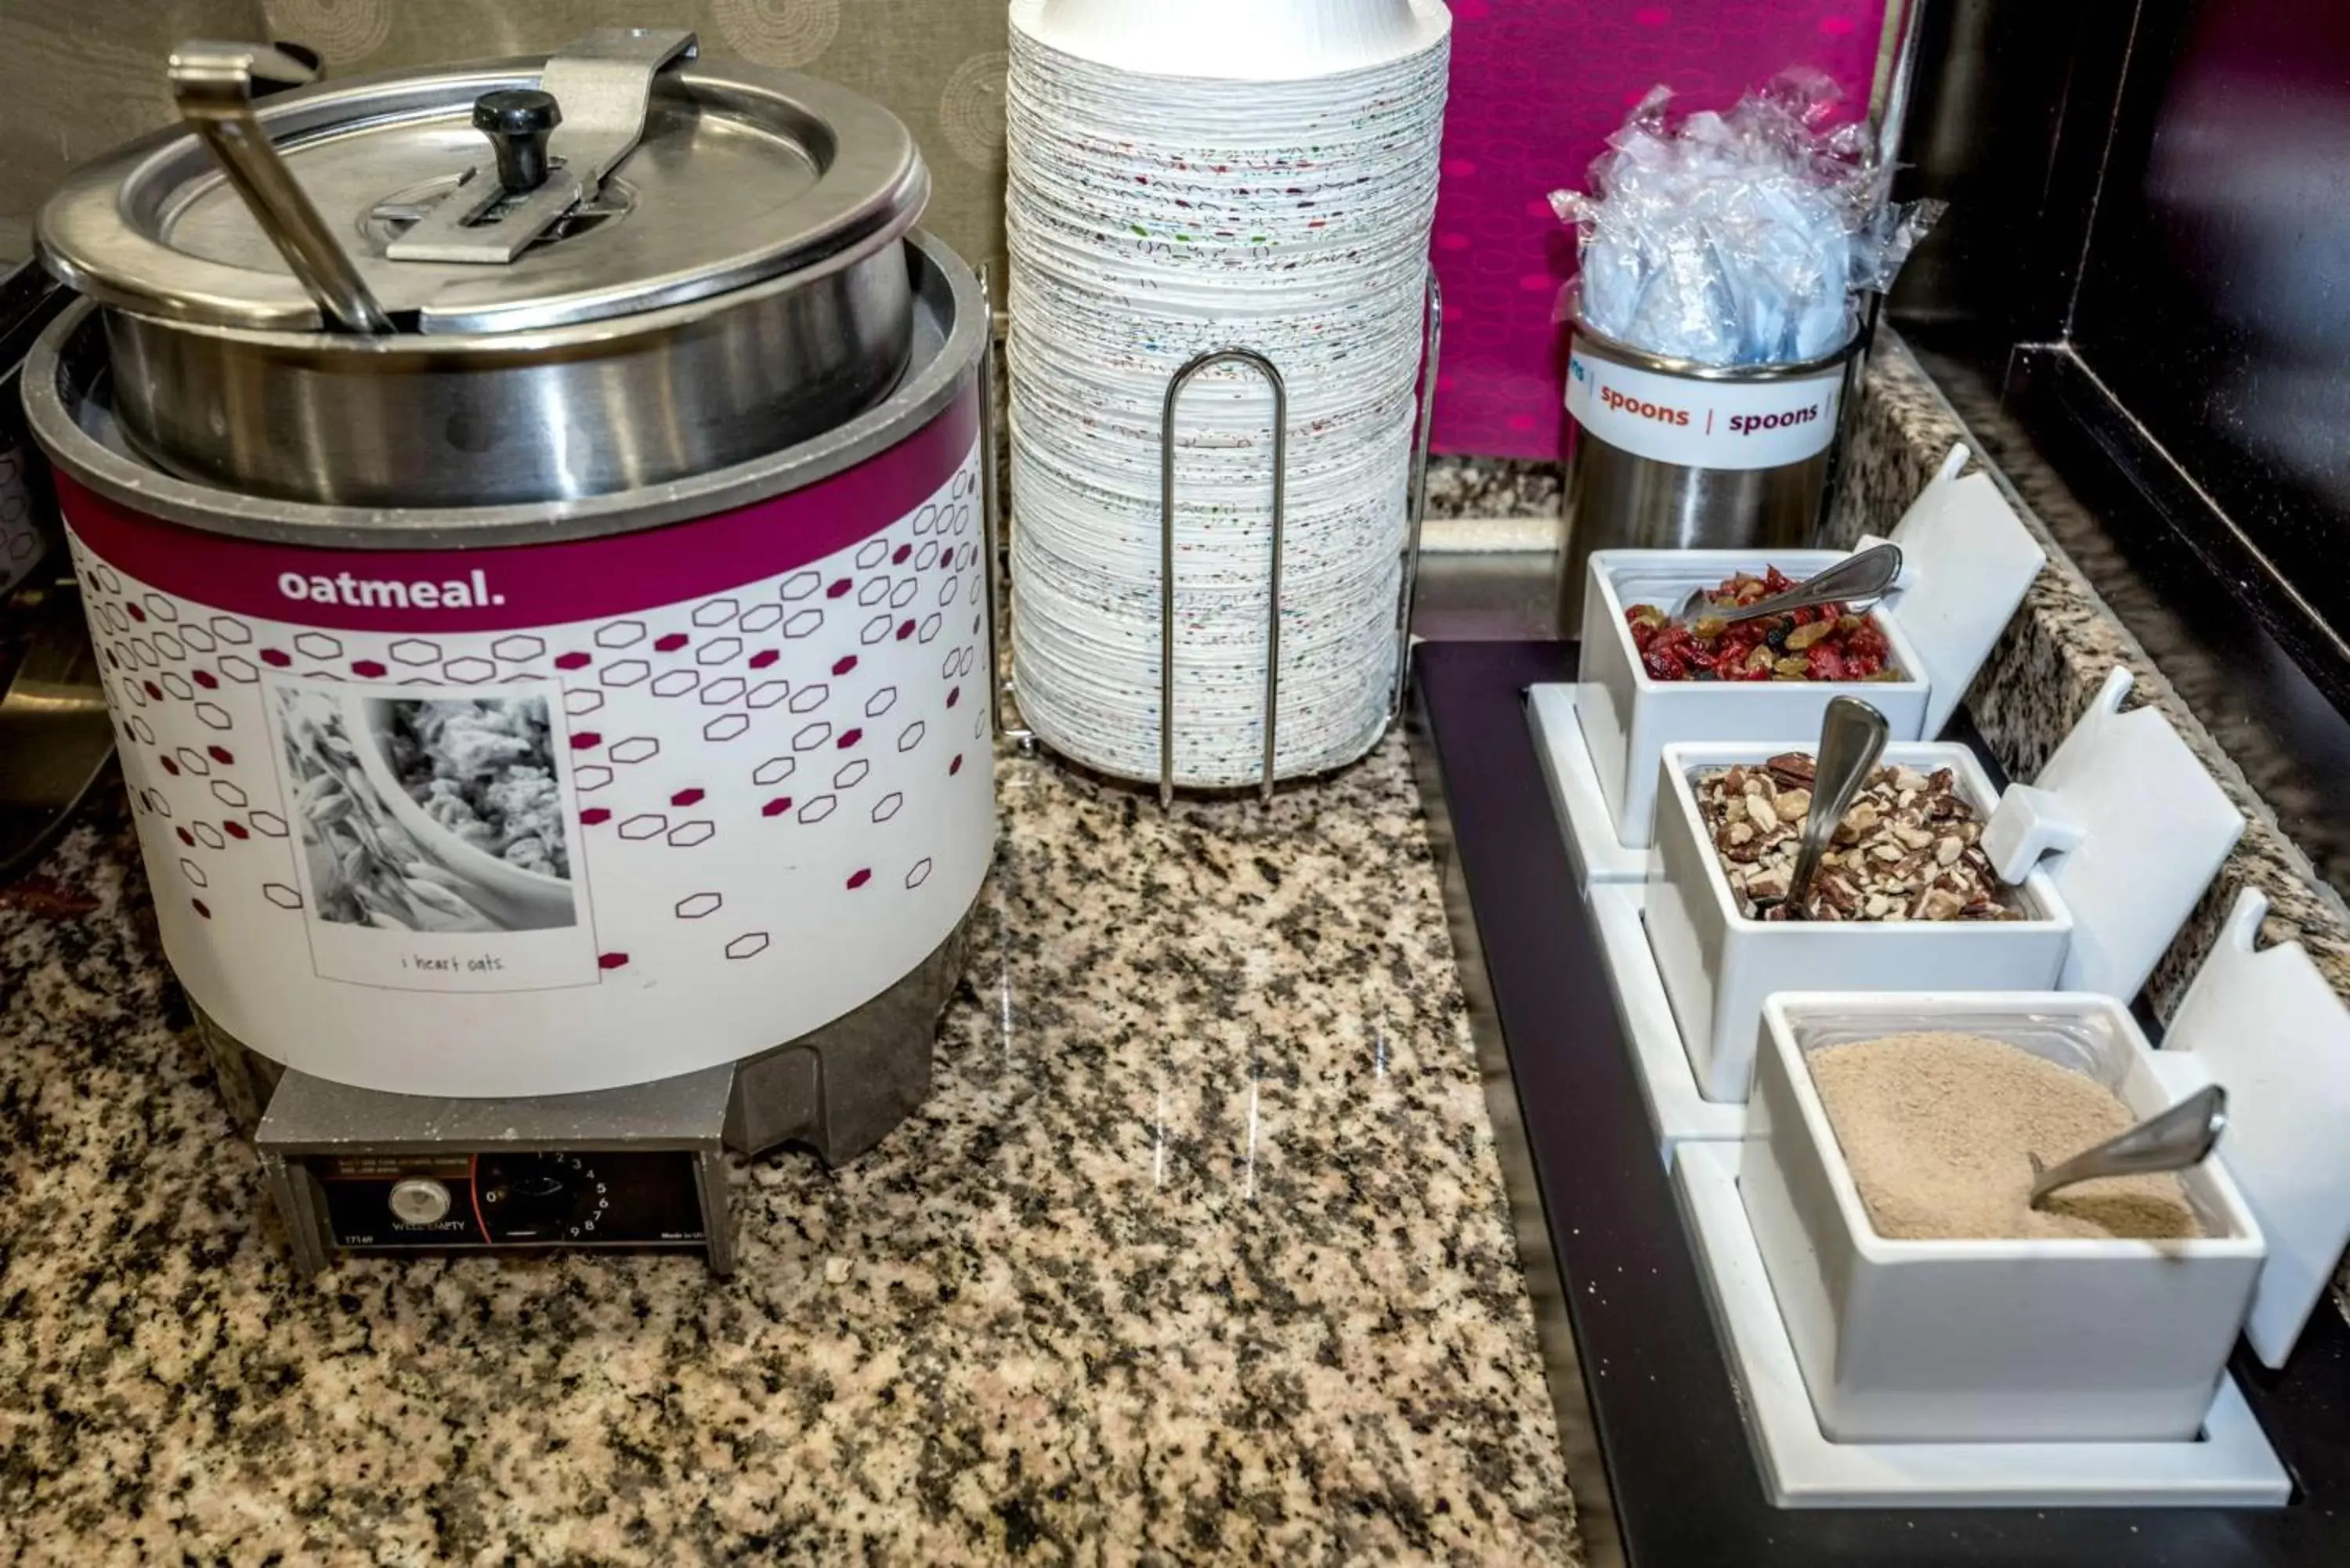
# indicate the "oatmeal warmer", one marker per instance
pixel 530 523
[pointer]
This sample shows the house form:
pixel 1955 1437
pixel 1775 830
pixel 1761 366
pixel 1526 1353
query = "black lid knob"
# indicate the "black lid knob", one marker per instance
pixel 518 120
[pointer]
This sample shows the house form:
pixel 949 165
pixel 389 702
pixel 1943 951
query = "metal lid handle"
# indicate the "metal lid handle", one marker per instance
pixel 598 92
pixel 518 120
pixel 213 85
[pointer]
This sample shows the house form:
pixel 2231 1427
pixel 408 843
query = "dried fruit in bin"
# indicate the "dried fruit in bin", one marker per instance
pixel 1830 643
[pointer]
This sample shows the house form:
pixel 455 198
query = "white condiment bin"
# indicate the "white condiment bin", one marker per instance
pixel 1985 1341
pixel 1967 562
pixel 1629 717
pixel 2227 1463
pixel 1718 965
pixel 2110 849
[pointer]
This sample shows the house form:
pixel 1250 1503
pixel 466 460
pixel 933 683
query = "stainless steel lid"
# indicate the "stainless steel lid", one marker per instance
pixel 616 177
pixel 70 402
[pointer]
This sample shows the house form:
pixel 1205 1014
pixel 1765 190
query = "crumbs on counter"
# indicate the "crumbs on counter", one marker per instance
pixel 48 899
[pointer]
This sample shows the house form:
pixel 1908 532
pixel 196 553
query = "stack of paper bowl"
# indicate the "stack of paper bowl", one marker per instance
pixel 1254 174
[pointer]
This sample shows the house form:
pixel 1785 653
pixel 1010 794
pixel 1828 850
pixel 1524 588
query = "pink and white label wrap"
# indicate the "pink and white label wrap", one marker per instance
pixel 1703 424
pixel 757 744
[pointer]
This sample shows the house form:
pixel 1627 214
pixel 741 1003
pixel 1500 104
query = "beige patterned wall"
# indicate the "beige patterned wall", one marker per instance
pixel 78 76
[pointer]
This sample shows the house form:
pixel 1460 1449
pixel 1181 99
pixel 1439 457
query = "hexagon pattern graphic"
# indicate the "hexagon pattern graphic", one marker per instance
pixel 625 673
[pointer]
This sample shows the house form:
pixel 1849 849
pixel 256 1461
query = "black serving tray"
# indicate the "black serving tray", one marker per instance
pixel 1656 1451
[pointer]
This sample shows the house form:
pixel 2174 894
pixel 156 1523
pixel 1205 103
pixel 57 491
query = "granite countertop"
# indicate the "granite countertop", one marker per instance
pixel 1199 1252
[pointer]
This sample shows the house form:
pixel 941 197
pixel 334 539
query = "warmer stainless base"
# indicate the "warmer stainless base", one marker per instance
pixel 330 1149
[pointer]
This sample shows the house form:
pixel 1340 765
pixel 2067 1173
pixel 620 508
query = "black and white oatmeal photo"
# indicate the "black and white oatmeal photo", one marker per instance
pixel 429 815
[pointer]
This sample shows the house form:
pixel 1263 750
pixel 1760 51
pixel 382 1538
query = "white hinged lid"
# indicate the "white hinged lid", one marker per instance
pixel 2269 1028
pixel 2137 829
pixel 1967 562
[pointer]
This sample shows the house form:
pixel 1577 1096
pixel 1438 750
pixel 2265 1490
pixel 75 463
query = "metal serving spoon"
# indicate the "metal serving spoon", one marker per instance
pixel 2180 1137
pixel 215 86
pixel 1867 576
pixel 1852 737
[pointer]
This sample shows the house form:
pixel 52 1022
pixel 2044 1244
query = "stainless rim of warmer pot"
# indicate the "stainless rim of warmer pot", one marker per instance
pixel 590 410
pixel 68 401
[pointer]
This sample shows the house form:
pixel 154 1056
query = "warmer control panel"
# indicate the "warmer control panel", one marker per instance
pixel 360 1170
pixel 547 1198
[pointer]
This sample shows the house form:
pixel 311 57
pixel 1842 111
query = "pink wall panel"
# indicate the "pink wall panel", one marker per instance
pixel 1538 86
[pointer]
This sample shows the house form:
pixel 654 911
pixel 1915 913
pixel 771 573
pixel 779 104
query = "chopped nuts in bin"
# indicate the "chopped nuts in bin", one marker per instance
pixel 1907 849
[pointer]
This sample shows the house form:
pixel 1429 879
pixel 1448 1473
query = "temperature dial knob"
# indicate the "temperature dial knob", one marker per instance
pixel 542 1197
